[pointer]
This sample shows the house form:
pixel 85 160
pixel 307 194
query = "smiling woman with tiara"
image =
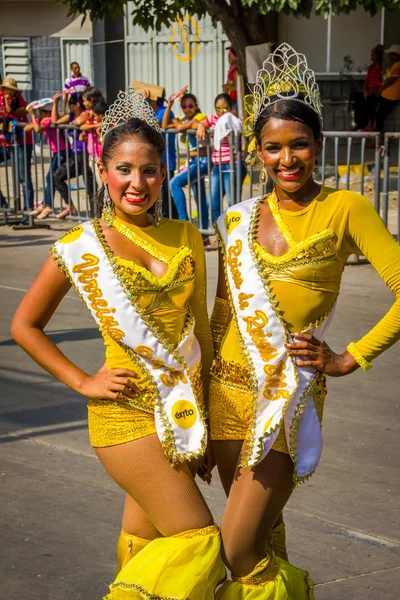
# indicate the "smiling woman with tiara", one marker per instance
pixel 143 279
pixel 281 261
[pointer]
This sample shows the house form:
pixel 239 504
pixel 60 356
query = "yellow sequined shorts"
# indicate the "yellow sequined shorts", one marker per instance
pixel 111 424
pixel 230 412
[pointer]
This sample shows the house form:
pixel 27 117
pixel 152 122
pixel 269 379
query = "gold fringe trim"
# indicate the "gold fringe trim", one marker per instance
pixel 356 354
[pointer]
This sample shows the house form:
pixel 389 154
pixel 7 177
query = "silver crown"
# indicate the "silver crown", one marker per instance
pixel 285 75
pixel 129 104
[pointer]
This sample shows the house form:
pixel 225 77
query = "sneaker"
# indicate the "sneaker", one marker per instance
pixel 67 211
pixel 45 212
pixel 35 211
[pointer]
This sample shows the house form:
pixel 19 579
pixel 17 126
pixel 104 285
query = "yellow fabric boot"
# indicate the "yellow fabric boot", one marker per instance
pixel 278 542
pixel 127 546
pixel 186 565
pixel 272 579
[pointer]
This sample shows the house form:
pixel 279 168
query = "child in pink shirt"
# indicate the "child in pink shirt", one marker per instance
pixel 58 149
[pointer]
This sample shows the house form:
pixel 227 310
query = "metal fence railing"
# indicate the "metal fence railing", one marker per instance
pixel 195 188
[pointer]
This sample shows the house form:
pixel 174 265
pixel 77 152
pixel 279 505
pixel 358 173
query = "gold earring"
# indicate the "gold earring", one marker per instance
pixel 263 176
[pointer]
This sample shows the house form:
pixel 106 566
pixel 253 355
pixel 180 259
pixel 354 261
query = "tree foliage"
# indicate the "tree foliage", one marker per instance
pixel 153 14
pixel 245 22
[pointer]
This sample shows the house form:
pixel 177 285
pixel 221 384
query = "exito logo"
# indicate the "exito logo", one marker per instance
pixel 184 414
pixel 72 235
pixel 232 220
pixel 185 38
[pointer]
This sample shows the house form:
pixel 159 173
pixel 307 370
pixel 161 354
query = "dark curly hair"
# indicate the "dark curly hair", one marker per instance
pixel 118 135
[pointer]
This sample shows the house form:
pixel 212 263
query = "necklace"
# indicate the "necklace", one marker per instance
pixel 135 238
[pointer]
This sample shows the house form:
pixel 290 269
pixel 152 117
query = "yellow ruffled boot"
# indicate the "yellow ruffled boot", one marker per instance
pixel 128 545
pixel 272 579
pixel 187 565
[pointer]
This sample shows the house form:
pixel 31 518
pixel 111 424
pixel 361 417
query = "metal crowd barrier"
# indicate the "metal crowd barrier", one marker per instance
pixel 349 160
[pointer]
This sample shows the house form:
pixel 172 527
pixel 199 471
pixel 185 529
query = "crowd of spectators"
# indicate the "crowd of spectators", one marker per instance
pixel 75 151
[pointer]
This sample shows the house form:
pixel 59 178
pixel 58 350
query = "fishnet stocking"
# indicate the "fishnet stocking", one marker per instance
pixel 168 497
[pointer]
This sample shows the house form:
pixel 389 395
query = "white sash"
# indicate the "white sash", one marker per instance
pixel 179 422
pixel 281 388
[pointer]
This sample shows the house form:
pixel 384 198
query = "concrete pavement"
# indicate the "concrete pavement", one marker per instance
pixel 60 512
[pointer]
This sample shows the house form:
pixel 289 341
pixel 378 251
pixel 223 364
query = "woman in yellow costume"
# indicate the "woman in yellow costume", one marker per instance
pixel 281 262
pixel 143 279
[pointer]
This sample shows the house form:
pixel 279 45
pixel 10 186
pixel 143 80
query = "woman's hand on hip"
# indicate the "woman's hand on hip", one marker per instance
pixel 113 384
pixel 311 352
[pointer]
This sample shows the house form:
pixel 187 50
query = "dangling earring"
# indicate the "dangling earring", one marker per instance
pixel 107 214
pixel 263 176
pixel 158 210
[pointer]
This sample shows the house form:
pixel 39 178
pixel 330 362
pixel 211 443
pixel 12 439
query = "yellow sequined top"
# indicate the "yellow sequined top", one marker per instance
pixel 306 282
pixel 168 303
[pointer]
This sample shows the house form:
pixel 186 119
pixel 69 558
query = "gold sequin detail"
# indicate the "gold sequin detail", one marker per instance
pixel 192 533
pixel 228 371
pixel 356 354
pixel 220 318
pixel 318 248
pixel 111 424
pixel 230 409
pixel 265 572
pixel 141 590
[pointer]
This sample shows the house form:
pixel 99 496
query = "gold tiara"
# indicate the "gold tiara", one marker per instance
pixel 129 104
pixel 285 75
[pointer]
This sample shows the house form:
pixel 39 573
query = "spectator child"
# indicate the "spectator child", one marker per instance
pixel 75 165
pixel 221 158
pixel 92 130
pixel 9 103
pixel 191 116
pixel 58 150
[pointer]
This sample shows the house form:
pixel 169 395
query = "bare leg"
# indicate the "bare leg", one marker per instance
pixel 256 500
pixel 227 454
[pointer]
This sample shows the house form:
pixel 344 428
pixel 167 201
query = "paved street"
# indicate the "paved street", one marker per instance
pixel 60 512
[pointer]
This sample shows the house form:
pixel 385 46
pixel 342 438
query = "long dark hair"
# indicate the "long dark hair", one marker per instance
pixel 189 96
pixel 118 135
pixel 289 110
pixel 225 97
pixel 92 94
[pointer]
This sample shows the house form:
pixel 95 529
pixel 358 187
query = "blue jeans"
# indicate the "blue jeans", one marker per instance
pixel 217 194
pixel 181 180
pixel 54 164
pixel 27 186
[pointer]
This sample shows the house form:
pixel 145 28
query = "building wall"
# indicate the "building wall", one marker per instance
pixel 39 18
pixel 354 34
pixel 45 24
pixel 163 59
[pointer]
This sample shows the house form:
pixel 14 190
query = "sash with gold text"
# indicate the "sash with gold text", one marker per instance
pixel 282 389
pixel 179 421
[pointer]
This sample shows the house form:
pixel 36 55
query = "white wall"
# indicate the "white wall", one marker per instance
pixel 354 34
pixel 40 18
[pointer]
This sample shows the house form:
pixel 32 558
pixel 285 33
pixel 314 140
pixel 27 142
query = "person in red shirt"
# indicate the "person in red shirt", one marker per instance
pixel 372 84
pixel 25 149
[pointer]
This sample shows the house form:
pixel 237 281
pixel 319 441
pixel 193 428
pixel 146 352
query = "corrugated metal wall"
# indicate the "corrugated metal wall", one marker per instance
pixel 192 53
pixel 76 50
